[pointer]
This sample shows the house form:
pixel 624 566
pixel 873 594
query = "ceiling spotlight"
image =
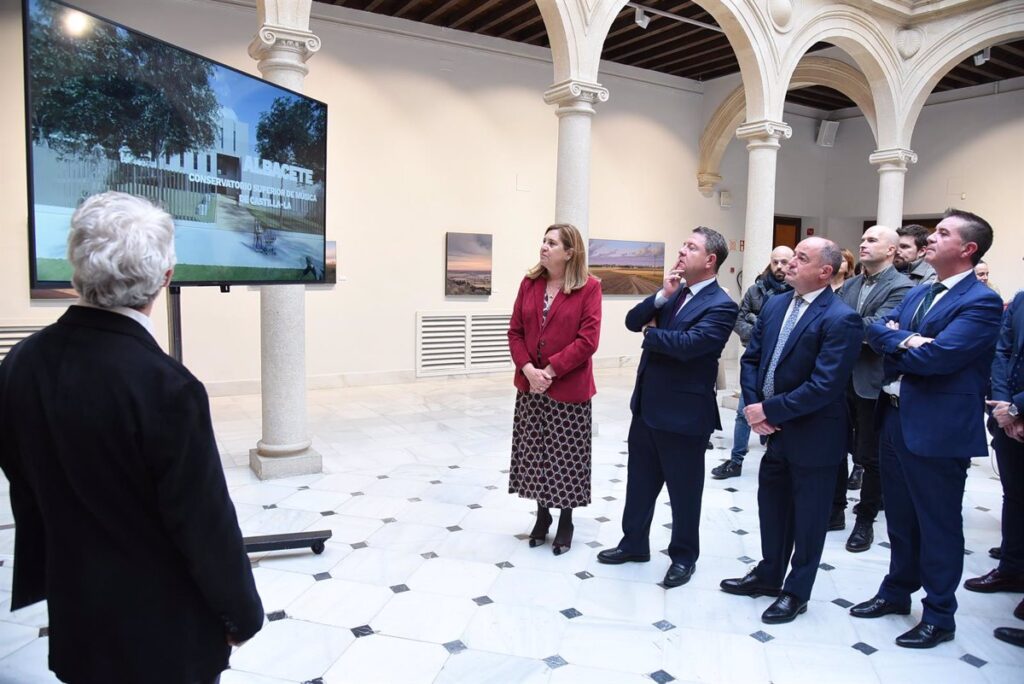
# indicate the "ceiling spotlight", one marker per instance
pixel 640 18
pixel 982 57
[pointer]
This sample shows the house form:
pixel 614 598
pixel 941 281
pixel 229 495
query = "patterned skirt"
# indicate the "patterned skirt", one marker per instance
pixel 551 451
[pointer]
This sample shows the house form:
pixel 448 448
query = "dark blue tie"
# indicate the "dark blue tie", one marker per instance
pixel 926 304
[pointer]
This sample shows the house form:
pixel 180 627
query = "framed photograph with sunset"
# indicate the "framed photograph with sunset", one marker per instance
pixel 467 264
pixel 628 267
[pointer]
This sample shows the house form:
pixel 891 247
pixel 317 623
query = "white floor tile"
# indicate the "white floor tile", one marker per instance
pixel 425 617
pixel 380 659
pixel 292 650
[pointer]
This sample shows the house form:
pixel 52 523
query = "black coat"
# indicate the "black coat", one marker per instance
pixel 124 524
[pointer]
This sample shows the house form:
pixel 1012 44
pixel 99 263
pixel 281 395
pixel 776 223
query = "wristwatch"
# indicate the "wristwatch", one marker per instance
pixel 1013 410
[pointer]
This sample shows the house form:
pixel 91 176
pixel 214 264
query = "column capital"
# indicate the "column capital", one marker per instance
pixel 895 159
pixel 707 182
pixel 763 133
pixel 575 96
pixel 283 48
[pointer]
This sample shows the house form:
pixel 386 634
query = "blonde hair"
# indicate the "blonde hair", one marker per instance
pixel 576 272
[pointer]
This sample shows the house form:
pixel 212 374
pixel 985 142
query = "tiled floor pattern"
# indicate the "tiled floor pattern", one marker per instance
pixel 428 577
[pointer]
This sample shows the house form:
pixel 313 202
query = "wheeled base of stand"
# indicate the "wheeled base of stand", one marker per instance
pixel 293 540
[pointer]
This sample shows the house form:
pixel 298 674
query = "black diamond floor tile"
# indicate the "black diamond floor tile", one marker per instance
pixel 454 647
pixel 745 559
pixel 321 576
pixel 762 636
pixel 359 545
pixel 664 625
pixel 399 588
pixel 731 489
pixel 482 600
pixel 866 649
pixel 556 661
pixel 826 567
pixel 594 544
pixel 453 528
pixel 973 660
pixel 570 613
pixel 362 630
pixel 662 677
pixel 327 513
pixel 740 532
pixel 276 615
pixel 429 554
pixel 584 575
pixel 842 603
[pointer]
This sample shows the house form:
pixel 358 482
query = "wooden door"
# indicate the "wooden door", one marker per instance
pixel 787 232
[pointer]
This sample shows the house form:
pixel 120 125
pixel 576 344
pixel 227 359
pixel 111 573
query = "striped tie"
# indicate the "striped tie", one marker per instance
pixel 787 330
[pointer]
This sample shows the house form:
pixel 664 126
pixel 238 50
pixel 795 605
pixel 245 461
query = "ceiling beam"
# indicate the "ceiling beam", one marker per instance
pixel 472 14
pixel 440 11
pixel 505 17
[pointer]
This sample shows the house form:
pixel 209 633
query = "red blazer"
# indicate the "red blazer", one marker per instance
pixel 567 341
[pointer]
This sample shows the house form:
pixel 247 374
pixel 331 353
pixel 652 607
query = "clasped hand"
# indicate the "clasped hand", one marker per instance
pixel 1012 426
pixel 754 413
pixel 540 380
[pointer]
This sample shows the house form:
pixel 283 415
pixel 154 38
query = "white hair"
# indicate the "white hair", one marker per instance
pixel 120 248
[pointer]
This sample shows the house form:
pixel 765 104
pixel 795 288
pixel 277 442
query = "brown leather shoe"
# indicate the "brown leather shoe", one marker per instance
pixel 995 581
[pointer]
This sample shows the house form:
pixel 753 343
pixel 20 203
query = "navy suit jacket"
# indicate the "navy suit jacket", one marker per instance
pixel 1009 349
pixel 942 391
pixel 675 383
pixel 809 403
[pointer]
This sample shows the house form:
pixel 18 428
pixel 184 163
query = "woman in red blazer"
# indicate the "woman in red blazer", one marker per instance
pixel 554 331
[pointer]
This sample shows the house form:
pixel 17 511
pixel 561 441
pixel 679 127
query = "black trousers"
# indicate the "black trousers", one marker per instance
pixel 658 458
pixel 865 454
pixel 1010 457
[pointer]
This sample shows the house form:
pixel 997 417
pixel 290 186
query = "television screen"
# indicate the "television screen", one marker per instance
pixel 238 162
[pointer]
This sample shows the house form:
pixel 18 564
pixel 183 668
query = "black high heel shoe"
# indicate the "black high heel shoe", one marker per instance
pixel 539 534
pixel 563 539
pixel 563 536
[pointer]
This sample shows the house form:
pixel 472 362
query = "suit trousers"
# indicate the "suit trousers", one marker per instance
pixel 657 458
pixel 923 498
pixel 865 454
pixel 1010 457
pixel 793 505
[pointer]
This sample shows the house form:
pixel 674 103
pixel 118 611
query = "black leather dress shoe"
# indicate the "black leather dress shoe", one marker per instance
pixel 856 478
pixel 837 521
pixel 996 552
pixel 1018 612
pixel 785 609
pixel 748 585
pixel 924 636
pixel 728 469
pixel 877 607
pixel 678 574
pixel 861 538
pixel 994 581
pixel 1010 635
pixel 617 556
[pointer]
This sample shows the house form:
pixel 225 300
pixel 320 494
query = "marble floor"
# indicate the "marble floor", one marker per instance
pixel 428 577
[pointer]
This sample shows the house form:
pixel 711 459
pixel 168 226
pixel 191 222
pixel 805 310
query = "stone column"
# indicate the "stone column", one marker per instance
pixel 892 169
pixel 285 448
pixel 575 100
pixel 763 145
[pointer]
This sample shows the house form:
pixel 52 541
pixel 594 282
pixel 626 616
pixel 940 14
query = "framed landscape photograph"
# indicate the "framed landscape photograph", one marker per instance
pixel 628 267
pixel 467 264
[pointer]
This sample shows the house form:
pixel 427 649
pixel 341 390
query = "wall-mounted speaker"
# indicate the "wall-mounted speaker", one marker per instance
pixel 827 133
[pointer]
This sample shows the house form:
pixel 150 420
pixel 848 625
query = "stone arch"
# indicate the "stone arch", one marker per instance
pixel 866 40
pixel 811 71
pixel 999 24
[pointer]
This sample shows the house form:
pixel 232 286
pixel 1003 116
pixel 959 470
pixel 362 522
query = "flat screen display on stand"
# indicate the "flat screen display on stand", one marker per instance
pixel 238 162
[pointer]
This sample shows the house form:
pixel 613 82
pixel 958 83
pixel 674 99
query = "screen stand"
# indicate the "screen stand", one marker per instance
pixel 174 322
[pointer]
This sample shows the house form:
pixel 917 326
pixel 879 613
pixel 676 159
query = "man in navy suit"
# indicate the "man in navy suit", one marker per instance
pixel 938 346
pixel 685 327
pixel 793 376
pixel 1007 428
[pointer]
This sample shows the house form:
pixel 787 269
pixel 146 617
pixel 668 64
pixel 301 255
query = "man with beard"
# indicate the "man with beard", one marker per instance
pixel 909 257
pixel 771 281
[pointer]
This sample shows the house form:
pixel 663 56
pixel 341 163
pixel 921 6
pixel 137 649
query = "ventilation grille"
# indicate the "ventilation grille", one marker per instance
pixel 11 335
pixel 453 343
